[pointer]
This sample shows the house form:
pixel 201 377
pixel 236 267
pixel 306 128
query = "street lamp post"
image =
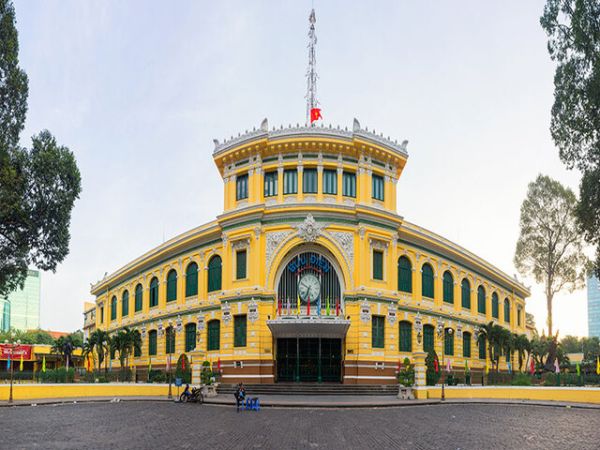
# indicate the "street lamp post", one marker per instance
pixel 441 332
pixel 12 367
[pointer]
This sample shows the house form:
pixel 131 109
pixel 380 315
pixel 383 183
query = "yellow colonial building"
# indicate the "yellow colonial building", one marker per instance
pixel 309 273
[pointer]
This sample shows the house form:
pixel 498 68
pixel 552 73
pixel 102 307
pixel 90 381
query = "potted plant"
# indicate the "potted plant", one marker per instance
pixel 207 378
pixel 406 379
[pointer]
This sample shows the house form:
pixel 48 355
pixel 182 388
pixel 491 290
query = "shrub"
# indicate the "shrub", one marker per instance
pixel 550 379
pixel 157 376
pixel 406 375
pixel 184 373
pixel 521 379
pixel 60 375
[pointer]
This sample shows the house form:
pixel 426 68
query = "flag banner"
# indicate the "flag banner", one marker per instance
pixel 298 307
pixel 487 366
pixel 327 308
pixel 337 306
pixel 183 363
pixel 219 364
pixel 44 364
pixel 308 306
pixel 279 306
pixel 315 114
pixel 509 367
pixel 21 364
pixel 319 306
pixel 578 370
pixel 436 365
pixel 598 365
pixel 556 366
pixel 531 367
pixel 448 366
pixel 289 306
pixel 168 363
pixel 8 363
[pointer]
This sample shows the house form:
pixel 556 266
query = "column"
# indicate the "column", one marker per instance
pixel 340 185
pixel 280 184
pixel 300 170
pixel 320 183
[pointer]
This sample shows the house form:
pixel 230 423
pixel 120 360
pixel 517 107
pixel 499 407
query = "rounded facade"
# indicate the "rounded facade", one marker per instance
pixel 309 274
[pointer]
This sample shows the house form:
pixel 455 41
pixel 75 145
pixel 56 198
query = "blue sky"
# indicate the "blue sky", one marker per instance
pixel 139 89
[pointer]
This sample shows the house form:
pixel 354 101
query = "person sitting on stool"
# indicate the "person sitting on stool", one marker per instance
pixel 240 395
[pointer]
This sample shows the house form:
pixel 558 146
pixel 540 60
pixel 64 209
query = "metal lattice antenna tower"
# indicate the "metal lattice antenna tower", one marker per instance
pixel 311 72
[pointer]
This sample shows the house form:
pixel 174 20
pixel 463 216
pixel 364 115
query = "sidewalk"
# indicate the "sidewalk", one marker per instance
pixel 309 401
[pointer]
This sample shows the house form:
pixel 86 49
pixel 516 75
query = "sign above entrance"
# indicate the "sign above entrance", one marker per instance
pixel 312 259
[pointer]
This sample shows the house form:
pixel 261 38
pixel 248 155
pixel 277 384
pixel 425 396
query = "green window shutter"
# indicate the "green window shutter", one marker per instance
pixel 377 331
pixel 172 286
pixel 495 307
pixel 240 270
pixel 191 280
pixel 214 335
pixel 466 345
pixel 519 312
pixel 290 181
pixel 377 191
pixel 139 297
pixel 405 336
pixel 481 300
pixel 330 182
pixel 465 290
pixel 241 184
pixel 404 274
pixel 170 340
pixel 239 331
pixel 152 342
pixel 270 184
pixel 214 274
pixel 113 308
pixel 506 310
pixel 428 338
pixel 448 342
pixel 427 281
pixel 309 181
pixel 377 265
pixel 448 287
pixel 190 337
pixel 125 304
pixel 349 184
pixel 102 314
pixel 137 351
pixel 154 292
pixel 481 344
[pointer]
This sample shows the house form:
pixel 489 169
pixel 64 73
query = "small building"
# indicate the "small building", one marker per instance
pixel 20 310
pixel 593 306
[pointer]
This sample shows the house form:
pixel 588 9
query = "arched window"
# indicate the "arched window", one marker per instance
pixel 152 342
pixel 154 292
pixel 495 312
pixel 139 297
pixel 170 340
pixel 113 308
pixel 481 344
pixel 448 287
pixel 125 304
pixel 404 274
pixel 172 285
pixel 465 293
pixel 214 335
pixel 214 273
pixel 466 344
pixel 481 300
pixel 448 342
pixel 427 281
pixel 405 336
pixel 191 280
pixel 507 310
pixel 428 338
pixel 190 337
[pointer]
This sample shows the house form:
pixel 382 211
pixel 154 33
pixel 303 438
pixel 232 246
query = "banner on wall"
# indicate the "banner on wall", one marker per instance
pixel 16 351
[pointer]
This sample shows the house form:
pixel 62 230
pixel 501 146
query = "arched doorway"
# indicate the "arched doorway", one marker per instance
pixel 310 327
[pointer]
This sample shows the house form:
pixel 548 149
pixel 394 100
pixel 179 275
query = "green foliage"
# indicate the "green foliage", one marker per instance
pixel 29 337
pixel 550 379
pixel 521 379
pixel 60 375
pixel 406 375
pixel 38 187
pixel 573 29
pixel 186 373
pixel 550 247
pixel 157 376
pixel 431 376
pixel 207 376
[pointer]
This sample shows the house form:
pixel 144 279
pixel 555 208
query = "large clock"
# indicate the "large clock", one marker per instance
pixel 309 286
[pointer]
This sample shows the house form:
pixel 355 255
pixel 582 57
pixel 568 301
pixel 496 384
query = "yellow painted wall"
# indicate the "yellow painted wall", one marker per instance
pixel 541 393
pixel 40 391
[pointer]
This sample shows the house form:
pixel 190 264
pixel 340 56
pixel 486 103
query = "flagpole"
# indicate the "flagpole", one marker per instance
pixel 170 396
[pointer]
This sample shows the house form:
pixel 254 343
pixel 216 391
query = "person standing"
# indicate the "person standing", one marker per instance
pixel 240 395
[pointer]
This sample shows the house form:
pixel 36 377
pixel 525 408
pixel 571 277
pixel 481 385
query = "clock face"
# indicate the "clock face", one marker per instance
pixel 309 286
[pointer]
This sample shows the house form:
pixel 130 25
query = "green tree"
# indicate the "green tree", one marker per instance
pixel 99 342
pixel 522 346
pixel 573 29
pixel 571 344
pixel 550 247
pixel 38 187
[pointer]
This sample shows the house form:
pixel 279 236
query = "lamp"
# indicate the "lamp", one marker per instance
pixel 419 327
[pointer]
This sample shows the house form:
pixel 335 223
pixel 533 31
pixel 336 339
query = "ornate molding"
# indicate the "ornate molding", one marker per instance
pixel 365 311
pixel 274 239
pixel 226 313
pixel 252 311
pixel 309 230
pixel 345 241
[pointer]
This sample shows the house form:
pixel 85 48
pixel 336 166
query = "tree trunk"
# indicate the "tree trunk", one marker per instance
pixel 549 308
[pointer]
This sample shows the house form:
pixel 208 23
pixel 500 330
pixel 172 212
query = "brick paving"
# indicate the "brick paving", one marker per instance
pixel 159 425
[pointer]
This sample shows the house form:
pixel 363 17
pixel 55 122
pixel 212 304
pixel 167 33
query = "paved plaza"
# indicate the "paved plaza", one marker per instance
pixel 158 425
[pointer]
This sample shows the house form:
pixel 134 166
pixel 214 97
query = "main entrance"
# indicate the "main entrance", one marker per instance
pixel 309 359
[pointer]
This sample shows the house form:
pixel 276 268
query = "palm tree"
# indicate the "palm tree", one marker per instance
pixel 99 340
pixel 522 345
pixel 87 350
pixel 134 342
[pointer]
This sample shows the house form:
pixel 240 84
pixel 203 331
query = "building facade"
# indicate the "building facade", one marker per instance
pixel 593 306
pixel 89 319
pixel 309 274
pixel 21 309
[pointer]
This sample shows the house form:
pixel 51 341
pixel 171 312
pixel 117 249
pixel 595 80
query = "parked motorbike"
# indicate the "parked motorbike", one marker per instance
pixel 195 396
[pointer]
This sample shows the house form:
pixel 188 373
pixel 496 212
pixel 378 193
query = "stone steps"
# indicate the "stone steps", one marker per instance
pixel 312 389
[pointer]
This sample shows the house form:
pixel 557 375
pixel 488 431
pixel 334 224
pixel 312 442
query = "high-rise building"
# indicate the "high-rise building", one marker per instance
pixel 21 309
pixel 593 303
